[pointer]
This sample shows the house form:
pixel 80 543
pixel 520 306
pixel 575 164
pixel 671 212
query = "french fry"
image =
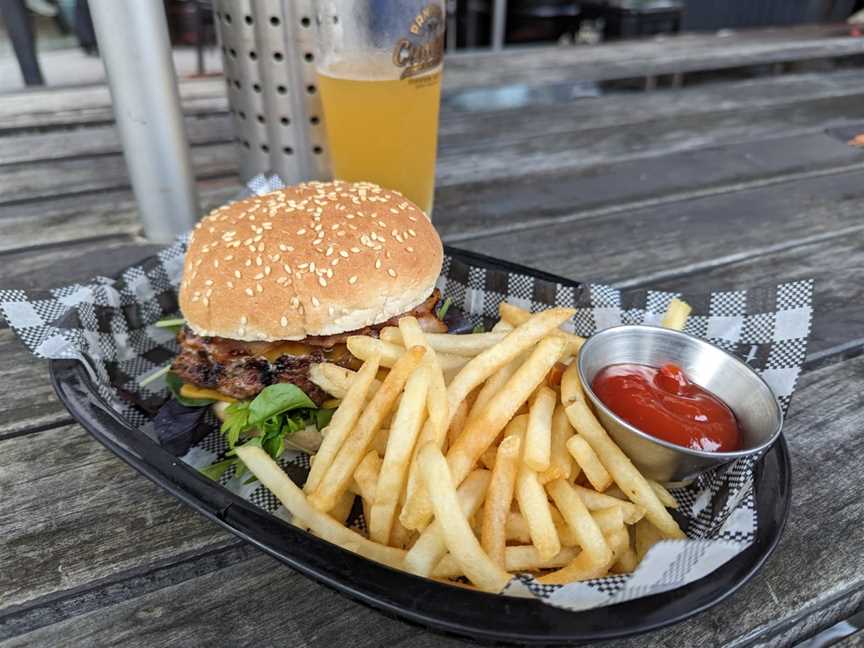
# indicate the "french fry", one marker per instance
pixel 435 430
pixel 488 457
pixel 379 441
pixel 609 519
pixel 663 495
pixel 482 430
pixel 647 536
pixel 339 474
pixel 534 507
pixel 458 538
pixel 430 547
pixel 595 501
pixel 336 380
pixel 344 419
pixel 571 384
pixel 494 384
pixel 517 559
pixel 560 463
pixel 400 446
pixel 676 315
pixel 364 347
pixel 590 464
pixel 343 507
pixel 480 434
pixel 565 533
pixel 468 345
pixel 457 424
pixel 400 537
pixel 499 496
pixel 291 497
pixel 588 533
pixel 517 528
pixel 502 327
pixel 626 563
pixel 516 316
pixel 582 567
pixel 366 476
pixel 538 437
pixel 622 469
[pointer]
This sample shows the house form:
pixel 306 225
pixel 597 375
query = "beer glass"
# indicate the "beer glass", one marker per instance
pixel 379 73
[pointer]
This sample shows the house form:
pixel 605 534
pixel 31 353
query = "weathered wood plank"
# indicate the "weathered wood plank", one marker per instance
pixel 205 609
pixel 476 209
pixel 506 155
pixel 74 106
pixel 654 243
pixel 689 53
pixel 101 139
pixel 74 514
pixel 29 181
pixel 28 399
pixel 473 114
pixel 65 219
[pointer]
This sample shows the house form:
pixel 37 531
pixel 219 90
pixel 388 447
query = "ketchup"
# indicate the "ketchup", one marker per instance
pixel 665 404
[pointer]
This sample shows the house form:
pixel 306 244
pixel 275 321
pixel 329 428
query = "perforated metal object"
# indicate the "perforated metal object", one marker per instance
pixel 269 62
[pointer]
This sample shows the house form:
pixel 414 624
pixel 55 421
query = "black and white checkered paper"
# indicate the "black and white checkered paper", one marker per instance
pixel 108 324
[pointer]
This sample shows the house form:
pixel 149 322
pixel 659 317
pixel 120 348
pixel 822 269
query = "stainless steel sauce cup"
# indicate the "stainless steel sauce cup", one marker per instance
pixel 742 389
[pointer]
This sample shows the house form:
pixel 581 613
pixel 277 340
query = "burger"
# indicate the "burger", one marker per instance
pixel 274 284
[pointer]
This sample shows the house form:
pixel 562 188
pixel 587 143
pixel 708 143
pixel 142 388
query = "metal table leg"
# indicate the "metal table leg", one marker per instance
pixel 133 41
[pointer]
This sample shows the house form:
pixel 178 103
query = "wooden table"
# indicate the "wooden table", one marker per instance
pixel 721 185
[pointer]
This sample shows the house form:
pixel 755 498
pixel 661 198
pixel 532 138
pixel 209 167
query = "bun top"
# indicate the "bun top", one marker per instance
pixel 319 258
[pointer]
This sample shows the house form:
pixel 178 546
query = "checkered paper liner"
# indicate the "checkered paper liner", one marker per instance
pixel 108 324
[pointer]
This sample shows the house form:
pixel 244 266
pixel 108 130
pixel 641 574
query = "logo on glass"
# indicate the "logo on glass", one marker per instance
pixel 424 49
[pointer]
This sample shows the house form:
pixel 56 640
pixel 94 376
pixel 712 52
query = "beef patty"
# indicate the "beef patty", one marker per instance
pixel 242 369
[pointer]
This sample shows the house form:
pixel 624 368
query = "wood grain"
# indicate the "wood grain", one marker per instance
pixel 29 181
pixel 658 242
pixel 75 514
pixel 74 106
pixel 690 53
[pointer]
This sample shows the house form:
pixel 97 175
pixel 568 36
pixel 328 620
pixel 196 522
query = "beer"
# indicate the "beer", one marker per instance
pixel 383 128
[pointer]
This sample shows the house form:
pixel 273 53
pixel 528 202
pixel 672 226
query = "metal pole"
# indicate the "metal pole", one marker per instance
pixel 133 41
pixel 499 22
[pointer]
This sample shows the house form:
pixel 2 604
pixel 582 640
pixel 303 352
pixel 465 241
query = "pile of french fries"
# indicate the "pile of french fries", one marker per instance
pixel 475 457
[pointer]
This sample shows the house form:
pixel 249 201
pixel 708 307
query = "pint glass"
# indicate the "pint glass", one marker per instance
pixel 379 74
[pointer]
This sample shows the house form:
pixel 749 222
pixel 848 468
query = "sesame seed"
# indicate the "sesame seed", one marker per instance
pixel 302 266
pixel 394 211
pixel 206 301
pixel 237 274
pixel 259 288
pixel 343 253
pixel 209 282
pixel 315 302
pixel 355 250
pixel 322 281
pixel 284 322
pixel 353 279
pixel 258 260
pixel 260 275
pixel 243 320
pixel 260 247
pixel 248 262
pixel 301 232
pixel 266 270
pixel 230 284
pixel 228 258
pixel 249 292
pixel 412 232
pixel 317 241
pixel 331 310
pixel 409 249
pixel 334 261
pixel 286 268
pixel 391 272
pixel 312 266
pixel 377 263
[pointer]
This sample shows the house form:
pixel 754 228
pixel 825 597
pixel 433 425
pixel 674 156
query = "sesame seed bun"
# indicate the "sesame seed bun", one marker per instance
pixel 315 259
